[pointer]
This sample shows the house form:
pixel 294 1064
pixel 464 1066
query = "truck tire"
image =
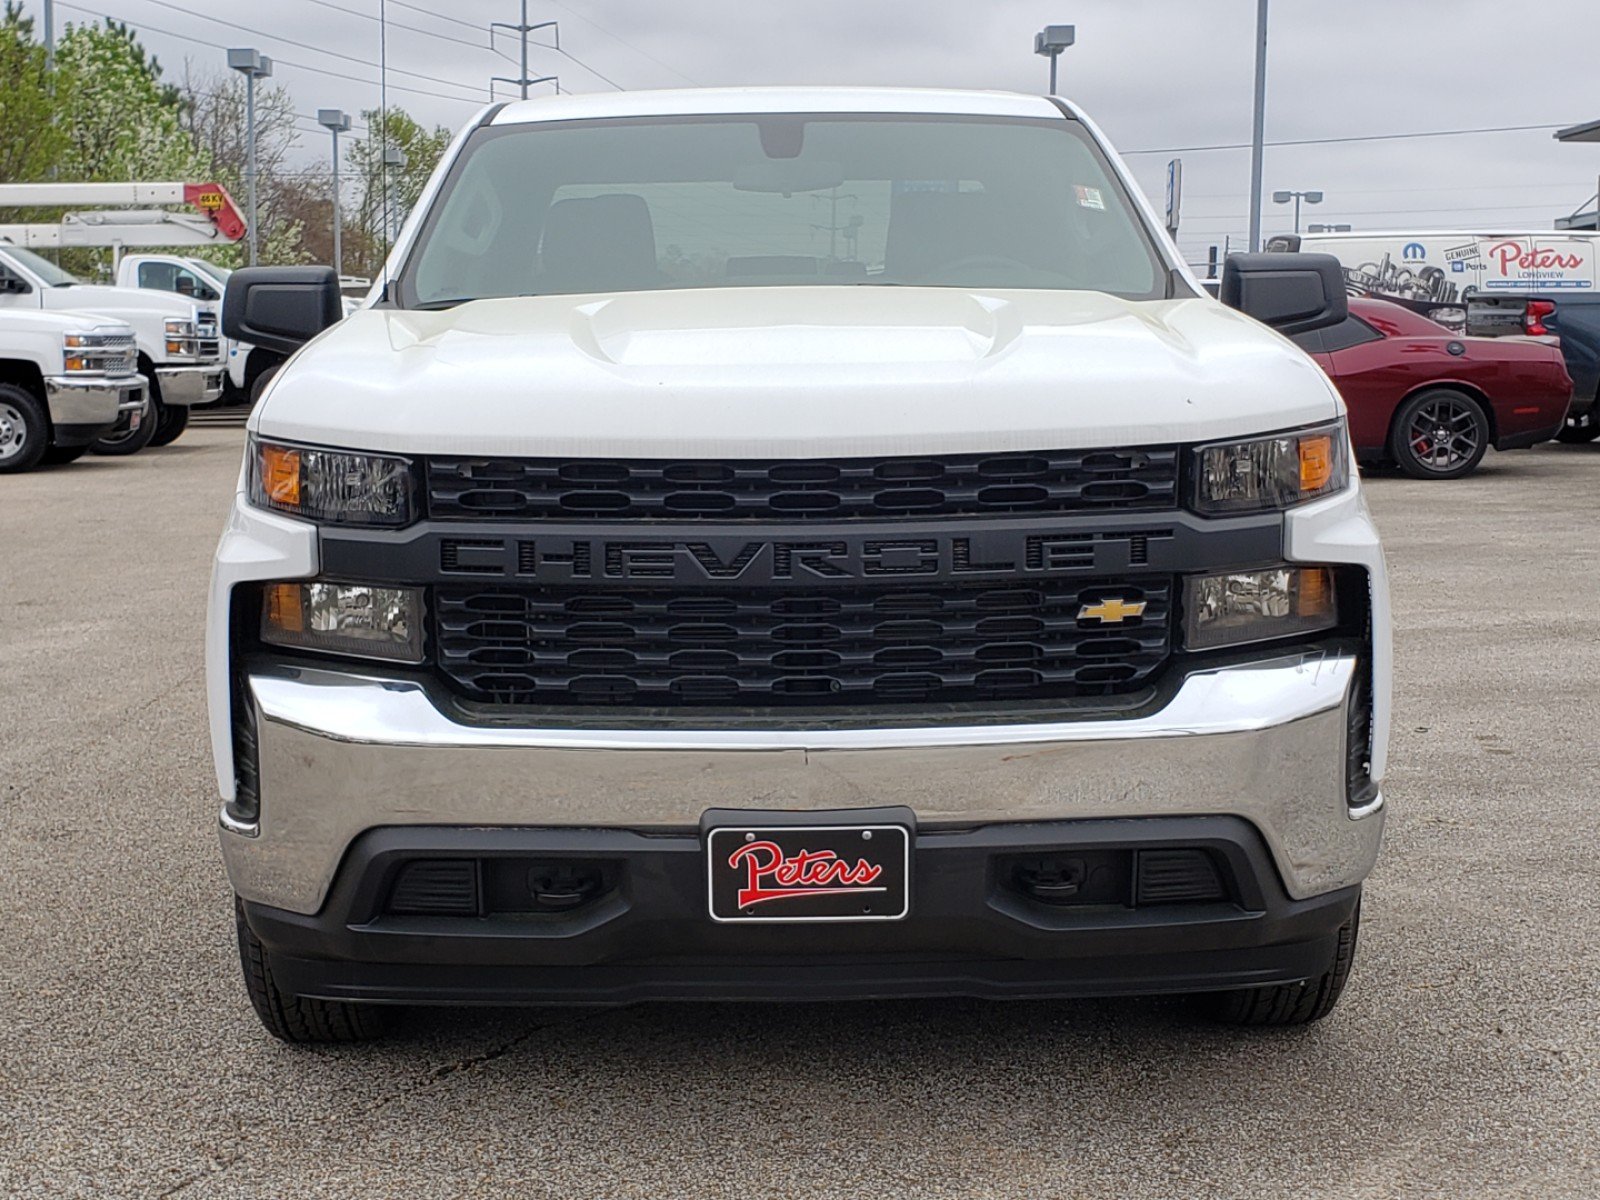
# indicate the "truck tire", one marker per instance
pixel 300 1020
pixel 122 444
pixel 24 430
pixel 1586 433
pixel 58 456
pixel 260 382
pixel 171 420
pixel 1285 1004
pixel 1439 434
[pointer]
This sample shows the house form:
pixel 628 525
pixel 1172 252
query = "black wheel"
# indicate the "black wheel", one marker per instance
pixel 1580 433
pixel 1291 1003
pixel 259 383
pixel 60 455
pixel 24 430
pixel 300 1020
pixel 123 442
pixel 171 420
pixel 1439 434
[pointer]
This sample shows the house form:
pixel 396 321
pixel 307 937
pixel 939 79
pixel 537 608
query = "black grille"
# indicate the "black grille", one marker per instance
pixel 865 645
pixel 1049 481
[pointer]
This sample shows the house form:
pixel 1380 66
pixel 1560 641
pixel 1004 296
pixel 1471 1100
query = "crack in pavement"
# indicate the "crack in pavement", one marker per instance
pixel 222 1163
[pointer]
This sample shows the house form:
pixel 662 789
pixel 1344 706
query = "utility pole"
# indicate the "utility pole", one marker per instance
pixel 253 65
pixel 523 29
pixel 49 35
pixel 1259 129
pixel 335 121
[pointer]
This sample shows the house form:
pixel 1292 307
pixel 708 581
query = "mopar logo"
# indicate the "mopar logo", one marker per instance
pixel 1413 252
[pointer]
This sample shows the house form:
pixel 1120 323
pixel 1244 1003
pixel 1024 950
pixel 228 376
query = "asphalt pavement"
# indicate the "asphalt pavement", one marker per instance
pixel 1464 1060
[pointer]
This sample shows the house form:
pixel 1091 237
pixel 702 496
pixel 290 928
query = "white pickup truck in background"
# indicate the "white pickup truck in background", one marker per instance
pixel 249 367
pixel 65 381
pixel 176 339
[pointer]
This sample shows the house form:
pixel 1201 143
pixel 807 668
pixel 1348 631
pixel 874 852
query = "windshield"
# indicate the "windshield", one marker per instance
pixel 218 274
pixel 47 271
pixel 692 202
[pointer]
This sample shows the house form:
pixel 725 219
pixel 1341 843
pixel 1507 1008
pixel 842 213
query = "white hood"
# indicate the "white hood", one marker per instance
pixel 31 320
pixel 793 372
pixel 120 302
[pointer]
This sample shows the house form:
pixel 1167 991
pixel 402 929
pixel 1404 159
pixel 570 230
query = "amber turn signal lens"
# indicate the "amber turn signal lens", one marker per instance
pixel 286 608
pixel 1314 596
pixel 1316 462
pixel 280 474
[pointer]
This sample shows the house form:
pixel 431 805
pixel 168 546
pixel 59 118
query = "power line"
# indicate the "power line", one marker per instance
pixel 428 33
pixel 619 38
pixel 168 4
pixel 1330 141
pixel 489 46
pixel 282 62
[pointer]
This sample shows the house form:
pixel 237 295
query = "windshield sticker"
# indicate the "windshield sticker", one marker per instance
pixel 1089 197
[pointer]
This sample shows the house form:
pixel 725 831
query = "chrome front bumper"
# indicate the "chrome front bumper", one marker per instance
pixel 184 386
pixel 97 400
pixel 340 754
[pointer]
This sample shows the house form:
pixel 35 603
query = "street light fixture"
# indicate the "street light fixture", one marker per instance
pixel 253 65
pixel 335 121
pixel 394 159
pixel 1308 197
pixel 1050 42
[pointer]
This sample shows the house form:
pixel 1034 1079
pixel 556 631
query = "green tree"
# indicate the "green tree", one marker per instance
pixel 120 120
pixel 31 143
pixel 373 223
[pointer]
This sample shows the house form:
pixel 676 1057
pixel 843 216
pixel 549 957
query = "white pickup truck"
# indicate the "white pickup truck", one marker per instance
pixel 249 367
pixel 177 340
pixel 65 382
pixel 794 543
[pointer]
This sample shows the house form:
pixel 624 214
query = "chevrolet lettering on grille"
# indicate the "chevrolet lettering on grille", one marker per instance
pixel 820 561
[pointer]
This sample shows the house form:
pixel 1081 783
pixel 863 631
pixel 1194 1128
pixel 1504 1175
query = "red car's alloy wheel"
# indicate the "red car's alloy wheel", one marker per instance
pixel 1440 435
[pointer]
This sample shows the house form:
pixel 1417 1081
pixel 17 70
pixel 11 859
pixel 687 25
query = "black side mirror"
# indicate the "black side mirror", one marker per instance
pixel 1293 293
pixel 280 308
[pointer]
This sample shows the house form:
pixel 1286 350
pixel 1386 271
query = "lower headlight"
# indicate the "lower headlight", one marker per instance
pixel 1257 606
pixel 344 618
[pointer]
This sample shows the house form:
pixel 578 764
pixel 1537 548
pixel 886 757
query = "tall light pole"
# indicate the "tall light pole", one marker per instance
pixel 1308 197
pixel 335 121
pixel 49 35
pixel 1259 127
pixel 1050 42
pixel 253 65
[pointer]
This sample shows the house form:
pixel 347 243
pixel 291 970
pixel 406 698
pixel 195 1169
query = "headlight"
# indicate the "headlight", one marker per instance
pixel 342 618
pixel 1256 606
pixel 337 486
pixel 181 337
pixel 1275 472
pixel 110 353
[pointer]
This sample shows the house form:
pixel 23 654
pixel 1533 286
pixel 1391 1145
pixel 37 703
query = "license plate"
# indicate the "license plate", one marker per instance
pixel 809 873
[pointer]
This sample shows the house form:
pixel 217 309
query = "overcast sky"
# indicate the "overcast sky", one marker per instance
pixel 1156 74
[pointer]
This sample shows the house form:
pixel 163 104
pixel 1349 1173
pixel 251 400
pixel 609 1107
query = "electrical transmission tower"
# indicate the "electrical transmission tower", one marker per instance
pixel 523 29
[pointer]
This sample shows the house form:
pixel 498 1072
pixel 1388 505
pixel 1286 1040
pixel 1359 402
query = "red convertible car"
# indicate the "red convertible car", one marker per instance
pixel 1431 402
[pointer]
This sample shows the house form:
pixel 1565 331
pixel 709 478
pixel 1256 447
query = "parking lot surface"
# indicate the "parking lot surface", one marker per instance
pixel 1463 1061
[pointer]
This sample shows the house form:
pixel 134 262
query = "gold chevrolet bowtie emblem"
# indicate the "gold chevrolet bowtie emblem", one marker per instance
pixel 1111 612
